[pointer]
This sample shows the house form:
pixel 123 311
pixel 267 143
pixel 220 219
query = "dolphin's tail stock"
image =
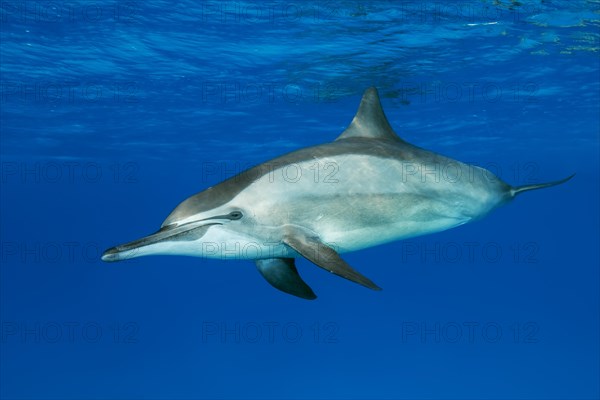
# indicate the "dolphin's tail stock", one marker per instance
pixel 520 189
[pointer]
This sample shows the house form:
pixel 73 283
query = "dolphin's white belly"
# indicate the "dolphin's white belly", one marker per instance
pixel 353 201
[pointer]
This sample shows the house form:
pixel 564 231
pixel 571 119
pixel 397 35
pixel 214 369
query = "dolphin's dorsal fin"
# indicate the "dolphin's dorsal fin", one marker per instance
pixel 370 121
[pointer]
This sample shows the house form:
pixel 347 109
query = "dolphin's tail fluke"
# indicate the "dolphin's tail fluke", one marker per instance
pixel 520 189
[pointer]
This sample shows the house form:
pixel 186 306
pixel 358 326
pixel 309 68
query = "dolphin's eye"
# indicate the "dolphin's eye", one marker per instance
pixel 235 215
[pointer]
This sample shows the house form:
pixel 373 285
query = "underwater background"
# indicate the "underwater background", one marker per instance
pixel 114 112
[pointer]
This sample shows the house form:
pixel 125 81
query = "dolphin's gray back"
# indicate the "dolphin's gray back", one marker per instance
pixel 371 164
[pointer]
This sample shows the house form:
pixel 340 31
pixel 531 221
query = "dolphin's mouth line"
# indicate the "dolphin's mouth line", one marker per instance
pixel 232 216
pixel 185 232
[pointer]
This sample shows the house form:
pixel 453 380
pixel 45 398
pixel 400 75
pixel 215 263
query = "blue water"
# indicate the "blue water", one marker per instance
pixel 114 112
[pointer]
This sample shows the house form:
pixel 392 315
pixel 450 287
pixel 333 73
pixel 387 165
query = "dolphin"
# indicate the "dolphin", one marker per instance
pixel 366 188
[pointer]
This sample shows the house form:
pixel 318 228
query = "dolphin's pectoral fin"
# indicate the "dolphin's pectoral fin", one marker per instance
pixel 282 274
pixel 320 254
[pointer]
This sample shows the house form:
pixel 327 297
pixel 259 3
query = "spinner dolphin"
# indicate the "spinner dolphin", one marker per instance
pixel 366 188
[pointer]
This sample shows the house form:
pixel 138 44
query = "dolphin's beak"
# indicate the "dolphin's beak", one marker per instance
pixel 171 233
